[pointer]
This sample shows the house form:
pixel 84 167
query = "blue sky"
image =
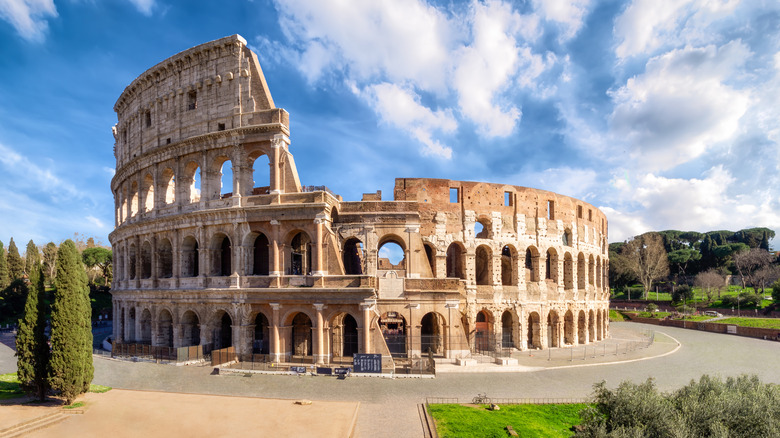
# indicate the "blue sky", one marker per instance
pixel 663 113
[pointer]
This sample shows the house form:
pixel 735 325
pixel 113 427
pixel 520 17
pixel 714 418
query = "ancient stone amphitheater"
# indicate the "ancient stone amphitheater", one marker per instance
pixel 217 243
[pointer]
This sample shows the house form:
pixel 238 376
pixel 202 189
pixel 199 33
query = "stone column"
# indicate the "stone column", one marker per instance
pixel 275 350
pixel 178 332
pixel 276 257
pixel 319 358
pixel 366 308
pixel 319 257
pixel 278 145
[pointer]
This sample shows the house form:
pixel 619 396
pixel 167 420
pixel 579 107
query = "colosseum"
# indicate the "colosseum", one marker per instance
pixel 217 242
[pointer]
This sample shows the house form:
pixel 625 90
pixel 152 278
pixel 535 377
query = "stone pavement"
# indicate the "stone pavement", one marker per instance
pixel 388 406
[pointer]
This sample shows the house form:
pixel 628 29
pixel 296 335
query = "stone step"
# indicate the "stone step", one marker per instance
pixel 34 424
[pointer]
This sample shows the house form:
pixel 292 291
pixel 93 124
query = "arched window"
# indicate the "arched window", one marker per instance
pixel 531 264
pixel 133 260
pixel 190 260
pixel 260 265
pixel 551 266
pixel 455 261
pixel 568 271
pixel 134 199
pixel 261 174
pixel 146 260
pixel 148 193
pixel 165 256
pixel 169 186
pixel 391 256
pixel 353 257
pixel 482 228
pixel 581 271
pixel 300 255
pixel 430 255
pixel 508 266
pixel 484 265
pixel 222 259
pixel 226 179
pixel 192 182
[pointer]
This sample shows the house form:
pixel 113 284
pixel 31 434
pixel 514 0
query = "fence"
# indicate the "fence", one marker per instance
pixel 160 353
pixel 507 401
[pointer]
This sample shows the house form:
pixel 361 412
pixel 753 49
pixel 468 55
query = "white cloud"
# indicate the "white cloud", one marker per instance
pixel 144 6
pixel 96 222
pixel 680 106
pixel 23 174
pixel 569 13
pixel 28 17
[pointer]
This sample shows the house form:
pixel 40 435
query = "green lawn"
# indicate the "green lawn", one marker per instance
pixel 461 421
pixel 698 294
pixel 771 323
pixel 9 386
pixel 616 316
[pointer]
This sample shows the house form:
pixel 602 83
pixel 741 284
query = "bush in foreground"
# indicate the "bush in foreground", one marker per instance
pixel 737 407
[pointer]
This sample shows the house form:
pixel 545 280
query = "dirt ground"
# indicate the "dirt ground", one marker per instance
pixel 125 413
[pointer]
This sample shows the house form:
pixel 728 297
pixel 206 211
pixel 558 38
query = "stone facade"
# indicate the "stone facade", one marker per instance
pixel 270 266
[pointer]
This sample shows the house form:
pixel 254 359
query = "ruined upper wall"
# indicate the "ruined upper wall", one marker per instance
pixel 521 208
pixel 212 87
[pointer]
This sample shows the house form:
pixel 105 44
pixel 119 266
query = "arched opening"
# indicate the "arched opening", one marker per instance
pixel 148 192
pixel 591 270
pixel 165 259
pixel 431 334
pixel 534 331
pixel 192 182
pixel 507 338
pixel 133 260
pixel 508 266
pixel 568 328
pixel 581 271
pixel 483 332
pixel 349 333
pixel 568 271
pixel 393 327
pixel 301 335
pixel 455 261
pixel 551 266
pixel 166 329
pixel 591 326
pixel 582 326
pixel 261 342
pixel 300 255
pixel 482 228
pixel 261 174
pixel 223 332
pixel 552 329
pixel 353 257
pixel 146 327
pixel 169 186
pixel 566 237
pixel 391 256
pixel 146 260
pixel 131 324
pixel 134 199
pixel 190 260
pixel 224 260
pixel 484 265
pixel 190 328
pixel 430 255
pixel 260 256
pixel 531 264
pixel 226 179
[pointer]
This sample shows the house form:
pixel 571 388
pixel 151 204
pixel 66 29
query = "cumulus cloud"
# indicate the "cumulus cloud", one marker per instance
pixel 568 13
pixel 28 17
pixel 681 105
pixel 21 173
pixel 144 6
pixel 96 222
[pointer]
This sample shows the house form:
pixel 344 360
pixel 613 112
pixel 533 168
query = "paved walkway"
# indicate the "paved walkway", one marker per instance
pixel 388 406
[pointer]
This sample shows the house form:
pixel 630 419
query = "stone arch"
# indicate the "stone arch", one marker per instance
pixel 262 339
pixel 551 265
pixel 431 333
pixel 483 228
pixel 260 166
pixel 192 182
pixel 165 258
pixel 190 257
pixel 221 248
pixel 225 177
pixel 146 327
pixel 566 237
pixel 531 264
pixel 130 324
pixel 133 198
pixel 260 260
pixel 581 271
pixel 132 259
pixel 299 254
pixel 148 192
pixel 568 328
pixel 483 331
pixel 352 256
pixel 534 331
pixel 552 328
pixel 390 239
pixel 509 266
pixel 168 186
pixel 582 327
pixel 430 256
pixel 591 326
pixel 190 327
pixel 568 271
pixel 507 329
pixel 344 335
pixel 222 329
pixel 483 264
pixel 394 331
pixel 165 328
pixel 456 261
pixel 146 259
pixel 300 334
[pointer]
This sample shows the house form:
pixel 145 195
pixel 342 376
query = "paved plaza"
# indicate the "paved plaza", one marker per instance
pixel 388 407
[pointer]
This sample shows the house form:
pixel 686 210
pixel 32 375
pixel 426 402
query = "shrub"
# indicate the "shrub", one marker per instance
pixel 682 293
pixel 776 292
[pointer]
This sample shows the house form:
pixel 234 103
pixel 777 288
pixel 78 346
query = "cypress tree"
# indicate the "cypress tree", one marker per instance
pixel 31 260
pixel 4 281
pixel 15 264
pixel 32 349
pixel 70 366
pixel 49 262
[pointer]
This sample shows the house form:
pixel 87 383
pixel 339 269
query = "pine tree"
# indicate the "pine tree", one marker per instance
pixel 32 348
pixel 70 367
pixel 31 260
pixel 764 242
pixel 15 264
pixel 49 262
pixel 4 281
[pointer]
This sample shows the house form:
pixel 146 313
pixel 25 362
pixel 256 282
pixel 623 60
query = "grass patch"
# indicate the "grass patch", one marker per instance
pixel 616 316
pixel 9 386
pixel 769 323
pixel 695 318
pixel 74 405
pixel 658 315
pixel 454 420
pixel 99 388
